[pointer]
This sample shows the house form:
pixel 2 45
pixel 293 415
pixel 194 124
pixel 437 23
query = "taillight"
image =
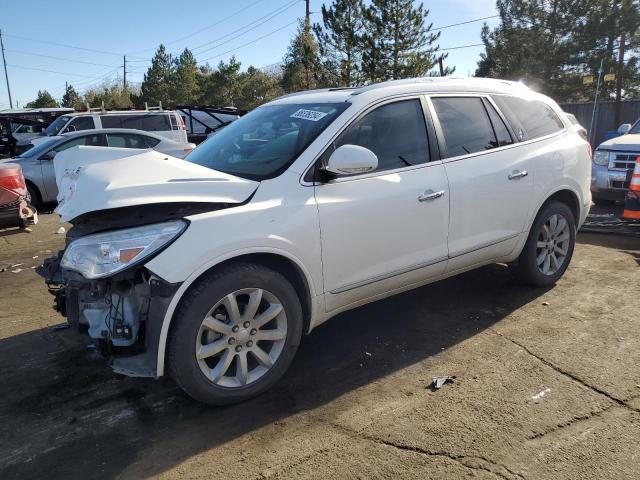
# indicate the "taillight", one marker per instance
pixel 188 149
pixel 183 125
pixel 12 179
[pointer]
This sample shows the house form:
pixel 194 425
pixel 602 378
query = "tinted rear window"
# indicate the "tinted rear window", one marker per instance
pixel 149 123
pixel 535 118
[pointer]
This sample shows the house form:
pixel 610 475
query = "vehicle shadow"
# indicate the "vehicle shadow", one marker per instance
pixel 65 414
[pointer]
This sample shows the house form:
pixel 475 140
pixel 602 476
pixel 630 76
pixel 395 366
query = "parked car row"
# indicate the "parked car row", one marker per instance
pixel 38 166
pixel 213 267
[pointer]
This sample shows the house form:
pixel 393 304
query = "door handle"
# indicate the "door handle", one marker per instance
pixel 429 195
pixel 516 174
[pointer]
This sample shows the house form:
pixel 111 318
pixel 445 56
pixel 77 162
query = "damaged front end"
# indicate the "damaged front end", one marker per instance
pixel 102 287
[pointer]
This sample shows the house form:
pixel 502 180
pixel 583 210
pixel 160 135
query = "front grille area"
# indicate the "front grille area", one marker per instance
pixel 615 184
pixel 624 161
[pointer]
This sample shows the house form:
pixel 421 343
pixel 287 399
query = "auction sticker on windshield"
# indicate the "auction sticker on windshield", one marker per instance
pixel 312 115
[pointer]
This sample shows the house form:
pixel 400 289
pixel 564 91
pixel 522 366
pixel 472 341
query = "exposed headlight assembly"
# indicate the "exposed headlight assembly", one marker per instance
pixel 601 157
pixel 103 254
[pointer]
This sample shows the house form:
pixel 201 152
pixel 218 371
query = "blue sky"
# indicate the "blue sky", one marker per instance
pixel 257 32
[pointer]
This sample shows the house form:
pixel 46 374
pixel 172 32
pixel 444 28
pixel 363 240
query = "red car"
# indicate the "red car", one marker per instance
pixel 15 207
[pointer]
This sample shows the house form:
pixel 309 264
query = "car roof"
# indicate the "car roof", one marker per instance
pixel 122 112
pixel 408 86
pixel 109 130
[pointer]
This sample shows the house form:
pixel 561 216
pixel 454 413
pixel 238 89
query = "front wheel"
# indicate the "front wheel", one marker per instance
pixel 549 247
pixel 235 334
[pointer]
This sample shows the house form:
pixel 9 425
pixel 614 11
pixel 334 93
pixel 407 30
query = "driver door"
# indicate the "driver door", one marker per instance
pixel 384 230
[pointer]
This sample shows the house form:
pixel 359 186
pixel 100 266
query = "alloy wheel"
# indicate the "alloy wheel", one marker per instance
pixel 241 337
pixel 553 244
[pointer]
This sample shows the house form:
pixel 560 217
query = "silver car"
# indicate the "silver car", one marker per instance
pixel 613 164
pixel 37 162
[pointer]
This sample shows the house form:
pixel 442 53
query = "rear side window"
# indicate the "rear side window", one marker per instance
pixel 151 142
pixel 125 140
pixel 395 132
pixel 83 123
pixel 503 137
pixel 536 118
pixel 465 125
pixel 156 123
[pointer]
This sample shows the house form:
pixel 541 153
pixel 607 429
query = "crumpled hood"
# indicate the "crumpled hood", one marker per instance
pixel 98 178
pixel 628 143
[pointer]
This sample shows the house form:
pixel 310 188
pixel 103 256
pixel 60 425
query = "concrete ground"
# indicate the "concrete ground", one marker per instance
pixel 547 386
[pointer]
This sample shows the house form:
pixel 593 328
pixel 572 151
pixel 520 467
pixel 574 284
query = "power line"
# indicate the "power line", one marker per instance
pixel 463 23
pixel 262 20
pixel 249 43
pixel 57 58
pixel 204 28
pixel 64 45
pixel 461 46
pixel 51 71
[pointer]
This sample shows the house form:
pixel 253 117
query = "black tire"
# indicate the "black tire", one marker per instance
pixel 526 268
pixel 193 308
pixel 33 197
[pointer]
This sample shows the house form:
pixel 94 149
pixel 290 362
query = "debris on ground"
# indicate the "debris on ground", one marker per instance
pixel 438 382
pixel 16 265
pixel 545 304
pixel 541 394
pixel 61 231
pixel 34 257
pixel 367 354
pixel 17 270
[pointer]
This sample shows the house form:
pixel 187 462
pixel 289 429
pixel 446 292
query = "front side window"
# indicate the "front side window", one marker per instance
pixel 465 125
pixel 537 118
pixel 395 132
pixel 263 143
pixel 86 140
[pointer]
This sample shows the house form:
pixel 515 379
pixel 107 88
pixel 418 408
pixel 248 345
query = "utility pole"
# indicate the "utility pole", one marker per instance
pixel 618 105
pixel 592 125
pixel 124 77
pixel 308 11
pixel 441 65
pixel 6 75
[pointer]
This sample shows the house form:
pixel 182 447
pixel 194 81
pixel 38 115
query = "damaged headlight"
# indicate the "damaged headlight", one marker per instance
pixel 103 254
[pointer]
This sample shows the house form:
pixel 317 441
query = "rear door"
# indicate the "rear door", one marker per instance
pixel 490 182
pixel 386 229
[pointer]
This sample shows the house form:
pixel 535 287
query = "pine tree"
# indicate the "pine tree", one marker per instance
pixel 397 43
pixel 256 87
pixel 302 68
pixel 186 89
pixel 157 84
pixel 43 100
pixel 553 45
pixel 340 39
pixel 220 86
pixel 71 98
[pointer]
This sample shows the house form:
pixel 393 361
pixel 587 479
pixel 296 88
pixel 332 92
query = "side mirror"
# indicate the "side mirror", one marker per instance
pixel 624 128
pixel 351 159
pixel 70 128
pixel 50 155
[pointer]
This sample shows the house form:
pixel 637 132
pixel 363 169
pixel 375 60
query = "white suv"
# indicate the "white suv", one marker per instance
pixel 213 267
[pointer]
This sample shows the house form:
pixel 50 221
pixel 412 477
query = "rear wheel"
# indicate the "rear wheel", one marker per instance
pixel 33 197
pixel 549 247
pixel 235 334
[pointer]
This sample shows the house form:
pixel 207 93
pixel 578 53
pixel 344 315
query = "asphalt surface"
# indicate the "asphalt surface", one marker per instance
pixel 547 386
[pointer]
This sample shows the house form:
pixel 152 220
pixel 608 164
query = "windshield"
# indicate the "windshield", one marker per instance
pixel 39 148
pixel 56 126
pixel 635 128
pixel 263 143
